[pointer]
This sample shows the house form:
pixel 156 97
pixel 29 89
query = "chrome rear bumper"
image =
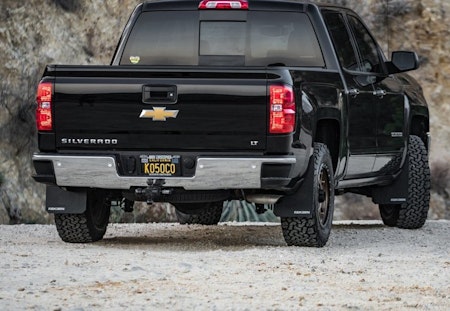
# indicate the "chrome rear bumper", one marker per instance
pixel 211 173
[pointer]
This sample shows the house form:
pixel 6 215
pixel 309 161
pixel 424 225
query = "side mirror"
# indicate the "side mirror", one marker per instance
pixel 402 61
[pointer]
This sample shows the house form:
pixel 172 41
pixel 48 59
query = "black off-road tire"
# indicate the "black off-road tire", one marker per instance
pixel 199 213
pixel 389 214
pixel 413 213
pixel 89 226
pixel 315 231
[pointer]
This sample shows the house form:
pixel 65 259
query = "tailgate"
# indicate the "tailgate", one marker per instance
pixel 120 108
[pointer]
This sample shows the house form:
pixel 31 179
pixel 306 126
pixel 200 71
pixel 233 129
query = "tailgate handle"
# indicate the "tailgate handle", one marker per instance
pixel 159 94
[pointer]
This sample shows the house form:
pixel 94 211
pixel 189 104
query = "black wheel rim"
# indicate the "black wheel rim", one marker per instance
pixel 323 194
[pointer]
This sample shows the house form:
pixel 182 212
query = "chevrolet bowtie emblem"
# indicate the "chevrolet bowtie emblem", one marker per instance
pixel 158 114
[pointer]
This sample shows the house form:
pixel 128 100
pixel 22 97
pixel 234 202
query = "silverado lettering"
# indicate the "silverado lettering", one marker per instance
pixel 91 141
pixel 284 104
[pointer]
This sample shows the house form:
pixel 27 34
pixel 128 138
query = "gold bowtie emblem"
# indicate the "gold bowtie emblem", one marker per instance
pixel 158 114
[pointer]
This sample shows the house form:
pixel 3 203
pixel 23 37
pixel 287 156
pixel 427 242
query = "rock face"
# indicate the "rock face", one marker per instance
pixel 39 32
pixel 32 34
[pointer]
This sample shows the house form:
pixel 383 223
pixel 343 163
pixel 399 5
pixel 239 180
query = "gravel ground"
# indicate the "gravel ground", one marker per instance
pixel 364 266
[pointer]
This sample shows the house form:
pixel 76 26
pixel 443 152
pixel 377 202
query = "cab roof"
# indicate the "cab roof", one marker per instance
pixel 277 5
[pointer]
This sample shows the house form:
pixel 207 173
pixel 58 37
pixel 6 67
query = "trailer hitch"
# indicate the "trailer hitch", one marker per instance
pixel 153 191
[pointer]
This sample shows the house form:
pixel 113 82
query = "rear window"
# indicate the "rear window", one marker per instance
pixel 180 38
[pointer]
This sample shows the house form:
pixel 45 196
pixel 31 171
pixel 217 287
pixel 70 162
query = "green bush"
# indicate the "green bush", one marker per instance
pixel 242 211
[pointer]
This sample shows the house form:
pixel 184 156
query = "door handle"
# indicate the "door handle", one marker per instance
pixel 353 92
pixel 379 93
pixel 159 94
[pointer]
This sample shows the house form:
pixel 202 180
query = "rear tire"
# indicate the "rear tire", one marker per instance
pixel 412 214
pixel 199 213
pixel 89 226
pixel 315 231
pixel 389 214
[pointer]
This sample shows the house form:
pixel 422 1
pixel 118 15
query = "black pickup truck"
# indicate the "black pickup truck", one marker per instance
pixel 284 104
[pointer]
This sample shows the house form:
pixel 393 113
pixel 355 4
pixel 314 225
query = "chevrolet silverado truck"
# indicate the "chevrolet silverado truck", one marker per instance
pixel 284 104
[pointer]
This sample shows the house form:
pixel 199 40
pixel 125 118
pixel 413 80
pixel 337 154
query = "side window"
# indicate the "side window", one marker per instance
pixel 341 40
pixel 370 57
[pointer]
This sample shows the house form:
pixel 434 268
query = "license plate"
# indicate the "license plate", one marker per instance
pixel 161 165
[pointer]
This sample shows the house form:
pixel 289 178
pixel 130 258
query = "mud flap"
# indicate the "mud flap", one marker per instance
pixel 395 193
pixel 300 203
pixel 60 201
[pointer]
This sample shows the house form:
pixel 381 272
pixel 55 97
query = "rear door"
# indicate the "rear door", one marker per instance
pixel 361 104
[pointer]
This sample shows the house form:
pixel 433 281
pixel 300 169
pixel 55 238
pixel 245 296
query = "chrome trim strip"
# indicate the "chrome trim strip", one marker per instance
pixel 211 173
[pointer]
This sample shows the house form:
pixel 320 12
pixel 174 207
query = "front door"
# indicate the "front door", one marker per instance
pixel 388 99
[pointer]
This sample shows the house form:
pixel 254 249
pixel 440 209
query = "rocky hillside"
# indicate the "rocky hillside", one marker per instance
pixel 38 32
pixel 32 34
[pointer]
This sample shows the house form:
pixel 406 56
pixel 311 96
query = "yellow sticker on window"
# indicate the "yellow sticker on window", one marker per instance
pixel 134 59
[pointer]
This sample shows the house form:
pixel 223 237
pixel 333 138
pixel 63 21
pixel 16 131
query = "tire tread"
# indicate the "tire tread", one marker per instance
pixel 308 231
pixel 413 214
pixel 210 215
pixel 86 227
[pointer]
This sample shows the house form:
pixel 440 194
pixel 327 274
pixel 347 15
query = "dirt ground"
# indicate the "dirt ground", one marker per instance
pixel 364 266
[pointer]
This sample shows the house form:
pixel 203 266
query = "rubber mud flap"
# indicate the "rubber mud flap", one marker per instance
pixel 298 204
pixel 395 193
pixel 60 201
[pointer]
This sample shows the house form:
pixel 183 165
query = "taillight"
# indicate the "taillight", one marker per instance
pixel 282 109
pixel 223 5
pixel 44 120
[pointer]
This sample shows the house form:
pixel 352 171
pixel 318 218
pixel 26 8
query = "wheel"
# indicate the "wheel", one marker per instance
pixel 389 213
pixel 314 231
pixel 413 213
pixel 89 226
pixel 199 213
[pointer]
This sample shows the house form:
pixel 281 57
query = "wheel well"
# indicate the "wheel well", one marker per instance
pixel 420 127
pixel 327 132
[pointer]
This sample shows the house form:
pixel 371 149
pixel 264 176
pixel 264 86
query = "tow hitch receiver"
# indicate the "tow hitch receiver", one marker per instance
pixel 153 192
